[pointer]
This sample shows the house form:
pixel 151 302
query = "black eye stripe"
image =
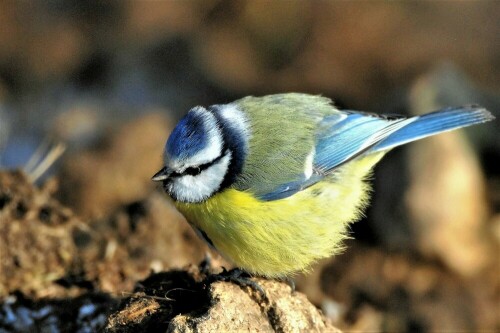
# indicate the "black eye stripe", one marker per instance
pixel 196 170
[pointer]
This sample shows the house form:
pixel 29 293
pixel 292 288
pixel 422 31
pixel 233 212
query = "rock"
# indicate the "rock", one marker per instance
pixel 180 301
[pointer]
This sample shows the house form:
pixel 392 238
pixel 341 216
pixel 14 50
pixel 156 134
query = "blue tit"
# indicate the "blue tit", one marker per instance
pixel 273 182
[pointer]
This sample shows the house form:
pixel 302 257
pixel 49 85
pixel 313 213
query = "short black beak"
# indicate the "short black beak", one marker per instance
pixel 161 175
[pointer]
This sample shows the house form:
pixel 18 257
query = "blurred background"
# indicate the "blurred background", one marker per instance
pixel 109 79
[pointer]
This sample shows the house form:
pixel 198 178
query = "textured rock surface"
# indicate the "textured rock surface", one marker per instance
pixel 179 302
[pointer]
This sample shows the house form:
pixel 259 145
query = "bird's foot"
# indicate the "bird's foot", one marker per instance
pixel 239 277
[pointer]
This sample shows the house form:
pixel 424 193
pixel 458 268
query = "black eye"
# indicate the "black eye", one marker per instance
pixel 192 171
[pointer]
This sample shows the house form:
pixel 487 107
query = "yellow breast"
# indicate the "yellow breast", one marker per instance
pixel 277 238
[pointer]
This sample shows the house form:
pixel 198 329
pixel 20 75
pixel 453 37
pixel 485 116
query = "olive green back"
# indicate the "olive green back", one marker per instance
pixel 282 135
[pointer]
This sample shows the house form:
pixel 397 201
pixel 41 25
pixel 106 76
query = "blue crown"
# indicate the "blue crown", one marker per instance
pixel 188 137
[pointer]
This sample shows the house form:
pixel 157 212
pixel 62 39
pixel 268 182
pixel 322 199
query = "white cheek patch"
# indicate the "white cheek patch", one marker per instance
pixel 212 150
pixel 200 187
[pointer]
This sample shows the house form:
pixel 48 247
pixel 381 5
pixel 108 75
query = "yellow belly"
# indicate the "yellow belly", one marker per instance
pixel 277 238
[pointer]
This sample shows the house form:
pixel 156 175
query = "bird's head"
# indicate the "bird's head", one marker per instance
pixel 203 154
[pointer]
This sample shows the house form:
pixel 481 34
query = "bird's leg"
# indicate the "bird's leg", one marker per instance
pixel 290 283
pixel 205 265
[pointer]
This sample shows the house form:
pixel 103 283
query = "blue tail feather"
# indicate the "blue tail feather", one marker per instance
pixel 433 123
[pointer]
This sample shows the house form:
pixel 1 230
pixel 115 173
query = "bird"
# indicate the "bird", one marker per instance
pixel 272 183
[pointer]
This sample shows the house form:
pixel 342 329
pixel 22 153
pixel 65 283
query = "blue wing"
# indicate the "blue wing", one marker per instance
pixel 347 135
pixel 339 138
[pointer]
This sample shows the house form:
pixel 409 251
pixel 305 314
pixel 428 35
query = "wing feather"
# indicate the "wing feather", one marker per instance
pixel 344 136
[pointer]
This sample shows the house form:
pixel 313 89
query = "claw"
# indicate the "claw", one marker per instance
pixel 239 277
